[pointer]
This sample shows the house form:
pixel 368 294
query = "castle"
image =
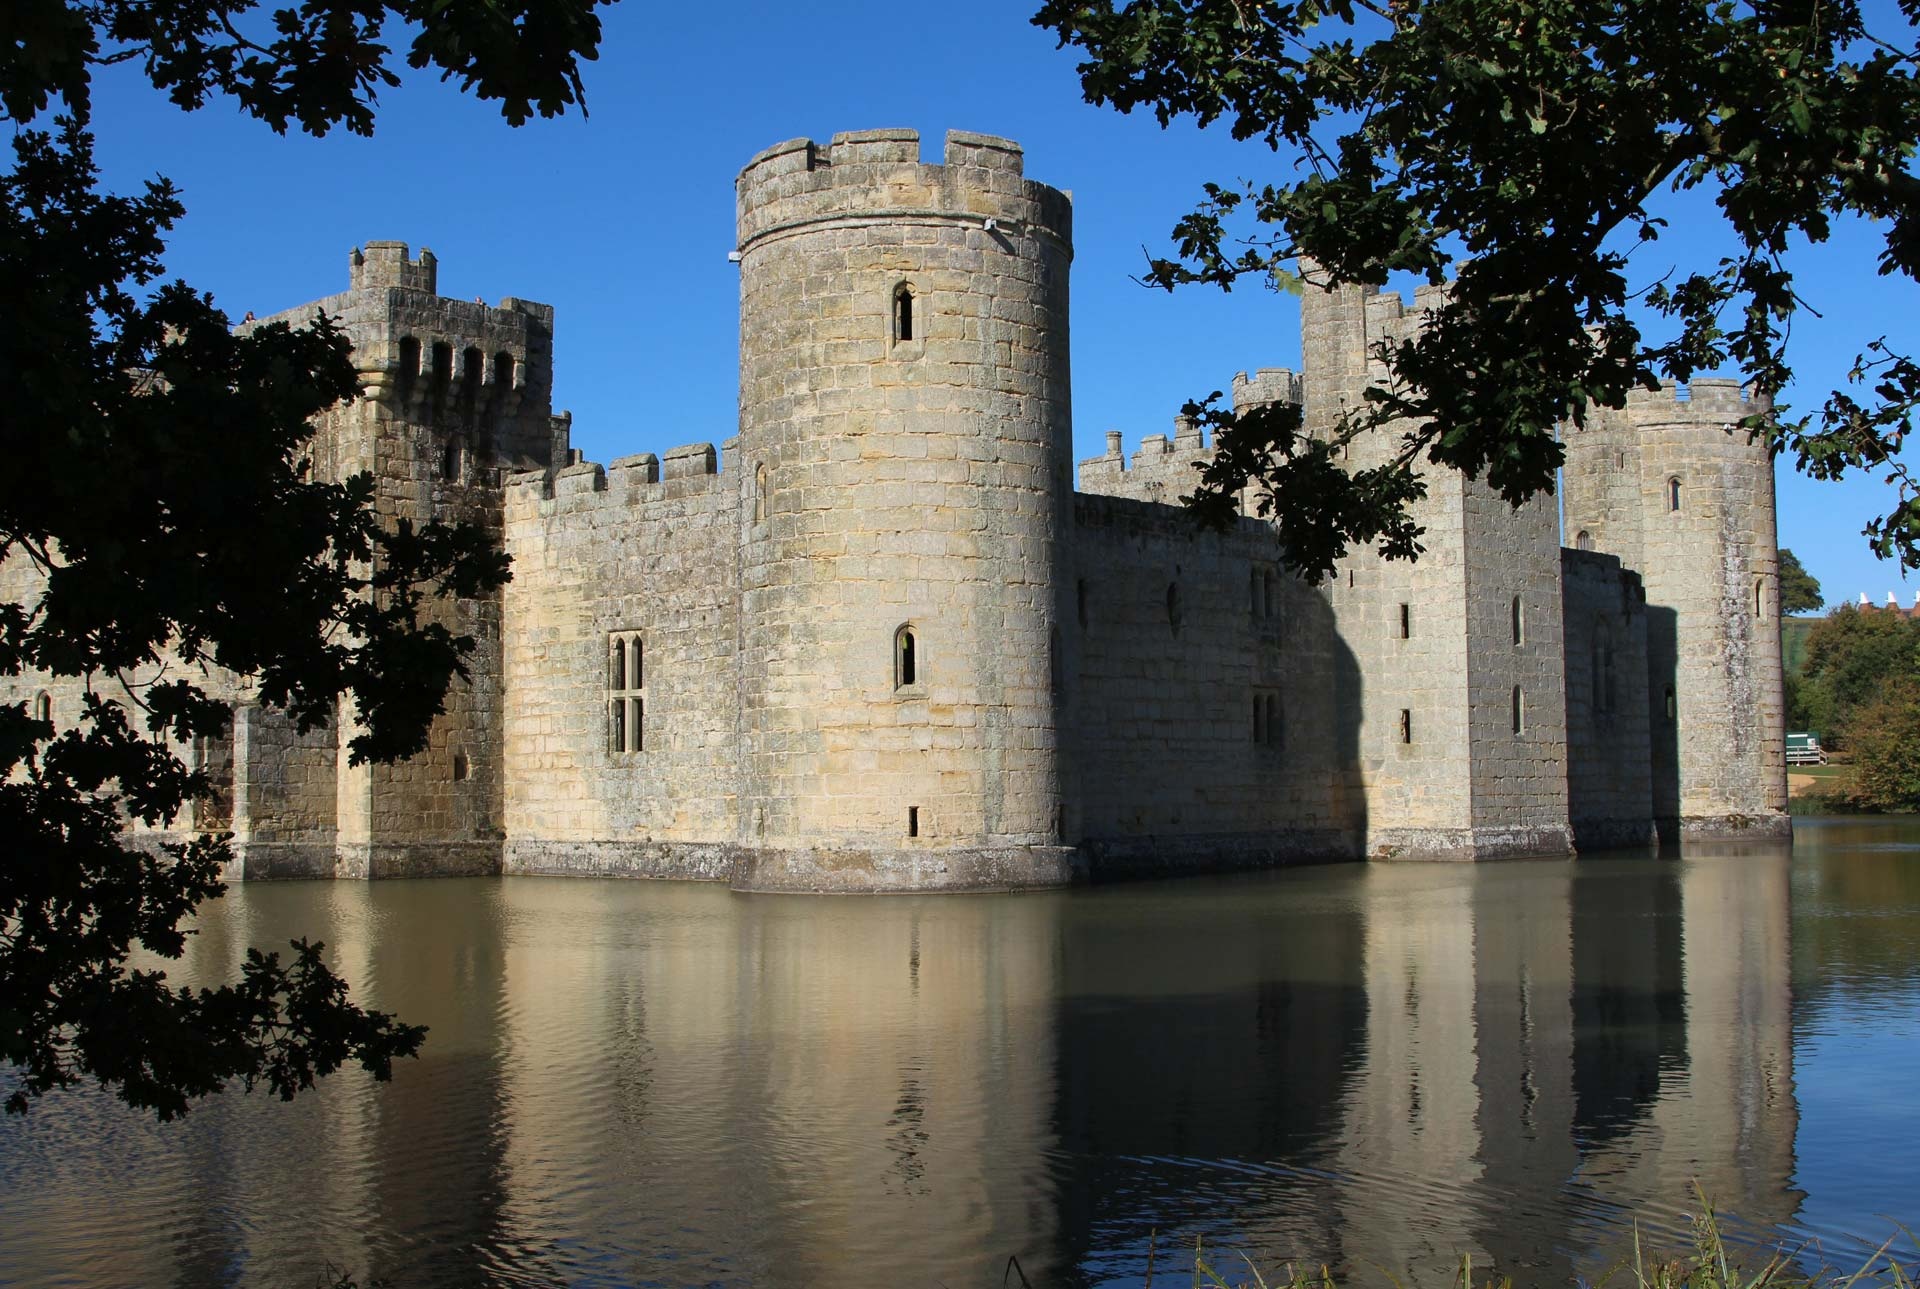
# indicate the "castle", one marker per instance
pixel 880 641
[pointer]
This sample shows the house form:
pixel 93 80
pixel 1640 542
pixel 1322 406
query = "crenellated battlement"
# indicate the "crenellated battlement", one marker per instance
pixel 1706 400
pixel 878 174
pixel 386 264
pixel 1267 386
pixel 422 353
pixel 1163 469
pixel 624 481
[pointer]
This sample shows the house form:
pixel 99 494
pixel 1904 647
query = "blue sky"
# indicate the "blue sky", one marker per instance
pixel 623 220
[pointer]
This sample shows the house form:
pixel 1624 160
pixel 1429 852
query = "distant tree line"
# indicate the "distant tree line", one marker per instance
pixel 1859 690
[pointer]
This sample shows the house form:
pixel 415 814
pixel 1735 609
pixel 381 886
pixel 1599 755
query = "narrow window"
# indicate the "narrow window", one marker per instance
pixel 626 692
pixel 1759 599
pixel 409 363
pixel 459 766
pixel 472 369
pixel 760 492
pixel 502 371
pixel 1673 494
pixel 1173 606
pixel 1519 622
pixel 1519 711
pixel 906 661
pixel 913 821
pixel 43 707
pixel 1273 720
pixel 1583 542
pixel 1060 822
pixel 1349 579
pixel 1619 460
pixel 450 460
pixel 1406 725
pixel 1673 709
pixel 903 313
pixel 1406 622
pixel 1080 600
pixel 442 381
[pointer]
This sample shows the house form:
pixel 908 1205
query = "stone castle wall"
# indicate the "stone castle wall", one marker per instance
pixel 1201 691
pixel 878 642
pixel 1609 769
pixel 644 552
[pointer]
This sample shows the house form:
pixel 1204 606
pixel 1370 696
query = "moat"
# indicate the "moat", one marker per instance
pixel 658 1083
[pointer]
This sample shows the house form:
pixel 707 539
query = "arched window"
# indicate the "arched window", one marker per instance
pixel 451 459
pixel 1759 599
pixel 442 365
pixel 906 658
pixel 1173 606
pixel 460 767
pixel 903 319
pixel 1583 541
pixel 502 371
pixel 1519 711
pixel 1519 622
pixel 1673 493
pixel 760 492
pixel 473 366
pixel 43 707
pixel 626 692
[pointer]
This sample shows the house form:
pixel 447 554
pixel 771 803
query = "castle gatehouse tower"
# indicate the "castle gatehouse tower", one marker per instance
pixel 905 441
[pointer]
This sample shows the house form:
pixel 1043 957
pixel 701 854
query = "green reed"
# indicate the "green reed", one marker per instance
pixel 1709 1265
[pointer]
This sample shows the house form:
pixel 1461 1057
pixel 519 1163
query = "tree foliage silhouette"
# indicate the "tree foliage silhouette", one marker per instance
pixel 165 524
pixel 1799 589
pixel 1523 147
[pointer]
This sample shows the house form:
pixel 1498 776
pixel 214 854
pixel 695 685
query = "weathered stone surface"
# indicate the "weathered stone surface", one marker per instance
pixel 700 670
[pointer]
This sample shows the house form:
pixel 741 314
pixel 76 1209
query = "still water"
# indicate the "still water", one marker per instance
pixel 1380 1068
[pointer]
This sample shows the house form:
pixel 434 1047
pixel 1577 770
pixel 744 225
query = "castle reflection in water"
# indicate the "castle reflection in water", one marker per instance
pixel 640 1083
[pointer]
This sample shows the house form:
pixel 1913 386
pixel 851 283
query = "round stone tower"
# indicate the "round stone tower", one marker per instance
pixel 905 440
pixel 1673 487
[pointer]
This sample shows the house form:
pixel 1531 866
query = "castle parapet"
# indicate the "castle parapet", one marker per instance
pixel 1705 400
pixel 799 183
pixel 625 481
pixel 1267 386
pixel 386 264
